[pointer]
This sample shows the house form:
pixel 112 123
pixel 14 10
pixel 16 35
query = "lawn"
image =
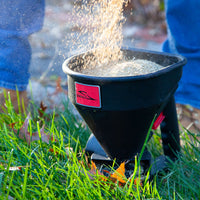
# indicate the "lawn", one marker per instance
pixel 57 168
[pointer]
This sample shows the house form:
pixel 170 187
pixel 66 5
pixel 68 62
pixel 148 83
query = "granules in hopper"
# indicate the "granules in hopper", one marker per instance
pixel 122 68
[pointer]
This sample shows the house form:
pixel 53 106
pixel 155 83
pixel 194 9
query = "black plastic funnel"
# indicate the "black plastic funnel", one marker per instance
pixel 120 110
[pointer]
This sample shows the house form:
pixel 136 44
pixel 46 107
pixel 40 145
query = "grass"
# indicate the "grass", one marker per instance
pixel 60 173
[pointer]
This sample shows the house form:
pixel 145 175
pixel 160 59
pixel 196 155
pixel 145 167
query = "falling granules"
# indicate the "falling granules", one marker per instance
pixel 102 29
pixel 107 37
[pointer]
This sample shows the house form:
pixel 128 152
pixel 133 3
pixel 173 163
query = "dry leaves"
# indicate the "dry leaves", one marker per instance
pixel 42 109
pixel 117 177
pixel 24 134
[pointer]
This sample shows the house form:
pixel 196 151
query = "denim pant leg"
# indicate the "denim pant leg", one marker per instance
pixel 183 22
pixel 18 19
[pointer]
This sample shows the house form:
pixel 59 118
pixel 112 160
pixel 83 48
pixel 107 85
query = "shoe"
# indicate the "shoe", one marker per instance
pixel 23 99
pixel 189 117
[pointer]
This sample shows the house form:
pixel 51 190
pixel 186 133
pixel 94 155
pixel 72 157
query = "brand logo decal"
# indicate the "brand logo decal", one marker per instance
pixel 88 95
pixel 84 95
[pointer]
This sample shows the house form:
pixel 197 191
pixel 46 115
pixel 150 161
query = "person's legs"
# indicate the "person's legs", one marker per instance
pixel 15 55
pixel 18 19
pixel 183 24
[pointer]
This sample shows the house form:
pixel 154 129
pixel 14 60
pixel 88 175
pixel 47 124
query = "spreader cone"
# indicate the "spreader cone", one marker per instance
pixel 120 110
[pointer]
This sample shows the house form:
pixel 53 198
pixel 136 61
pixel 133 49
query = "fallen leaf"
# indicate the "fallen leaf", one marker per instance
pixel 42 109
pixel 93 171
pixel 23 133
pixel 13 124
pixel 119 174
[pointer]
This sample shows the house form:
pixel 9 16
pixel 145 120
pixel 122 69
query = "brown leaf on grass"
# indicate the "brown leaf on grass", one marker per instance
pixel 42 109
pixel 23 133
pixel 118 176
pixel 93 171
pixel 13 124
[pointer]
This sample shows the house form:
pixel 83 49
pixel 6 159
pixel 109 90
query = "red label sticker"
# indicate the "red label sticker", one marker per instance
pixel 88 95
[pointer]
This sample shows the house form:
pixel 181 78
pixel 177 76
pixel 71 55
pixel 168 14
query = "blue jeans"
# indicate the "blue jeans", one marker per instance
pixel 183 22
pixel 18 19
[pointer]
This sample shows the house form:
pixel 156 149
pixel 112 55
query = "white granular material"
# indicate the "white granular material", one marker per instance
pixel 123 68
